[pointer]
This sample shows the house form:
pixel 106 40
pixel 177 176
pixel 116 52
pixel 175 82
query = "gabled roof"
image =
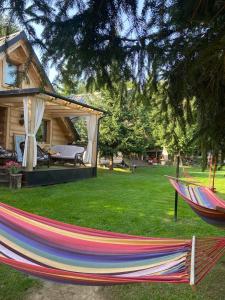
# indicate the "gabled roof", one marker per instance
pixel 10 40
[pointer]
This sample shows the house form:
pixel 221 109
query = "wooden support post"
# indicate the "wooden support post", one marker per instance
pixel 97 146
pixel 192 271
pixel 94 152
pixel 176 193
pixel 94 145
pixel 30 149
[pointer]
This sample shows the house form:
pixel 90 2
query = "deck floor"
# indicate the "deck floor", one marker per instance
pixel 59 167
pixel 56 174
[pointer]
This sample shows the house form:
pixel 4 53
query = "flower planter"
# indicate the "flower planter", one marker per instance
pixel 15 181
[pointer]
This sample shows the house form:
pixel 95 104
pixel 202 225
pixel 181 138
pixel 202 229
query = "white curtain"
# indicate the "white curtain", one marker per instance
pixel 39 112
pixel 92 122
pixel 26 122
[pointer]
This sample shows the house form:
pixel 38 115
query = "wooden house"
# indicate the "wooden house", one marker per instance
pixel 29 104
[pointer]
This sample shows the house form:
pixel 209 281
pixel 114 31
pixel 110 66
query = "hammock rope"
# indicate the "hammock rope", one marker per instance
pixel 71 254
pixel 202 200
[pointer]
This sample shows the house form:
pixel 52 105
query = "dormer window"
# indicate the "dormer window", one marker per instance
pixel 10 74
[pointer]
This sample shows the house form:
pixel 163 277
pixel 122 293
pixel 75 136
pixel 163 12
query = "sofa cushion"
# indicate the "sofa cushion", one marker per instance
pixel 66 151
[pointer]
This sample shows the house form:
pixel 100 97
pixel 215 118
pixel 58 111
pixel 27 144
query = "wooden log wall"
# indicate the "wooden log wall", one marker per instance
pixel 3 114
pixel 58 135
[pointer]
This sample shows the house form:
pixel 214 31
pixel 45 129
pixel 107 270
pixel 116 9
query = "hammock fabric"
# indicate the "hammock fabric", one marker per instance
pixel 202 200
pixel 70 254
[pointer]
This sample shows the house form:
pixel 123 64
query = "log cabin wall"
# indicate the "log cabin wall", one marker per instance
pixel 3 126
pixel 57 135
pixel 15 128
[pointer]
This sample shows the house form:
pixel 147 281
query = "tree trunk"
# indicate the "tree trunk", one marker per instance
pixel 204 160
pixel 111 163
pixel 175 159
pixel 214 169
pixel 222 157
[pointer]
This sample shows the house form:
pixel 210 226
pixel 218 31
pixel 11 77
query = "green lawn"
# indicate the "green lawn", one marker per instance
pixel 140 203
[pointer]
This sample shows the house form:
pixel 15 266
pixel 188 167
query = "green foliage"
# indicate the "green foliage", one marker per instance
pixel 196 70
pixel 138 137
pixel 171 135
pixel 126 127
pixel 168 130
pixel 112 42
pixel 99 41
pixel 81 128
pixel 67 84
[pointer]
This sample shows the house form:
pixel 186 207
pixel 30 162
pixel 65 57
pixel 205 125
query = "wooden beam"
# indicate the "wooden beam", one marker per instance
pixel 68 111
pixel 71 105
pixel 59 108
pixel 55 106
pixel 65 111
pixel 11 100
pixel 69 114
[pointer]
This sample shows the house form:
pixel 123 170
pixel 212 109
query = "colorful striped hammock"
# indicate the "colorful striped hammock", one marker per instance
pixel 70 254
pixel 202 200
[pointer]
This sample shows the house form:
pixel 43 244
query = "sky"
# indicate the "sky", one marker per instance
pixel 51 71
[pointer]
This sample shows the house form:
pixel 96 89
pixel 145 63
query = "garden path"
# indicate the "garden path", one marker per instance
pixel 56 291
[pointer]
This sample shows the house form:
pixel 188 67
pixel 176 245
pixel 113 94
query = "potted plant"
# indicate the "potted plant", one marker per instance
pixel 15 175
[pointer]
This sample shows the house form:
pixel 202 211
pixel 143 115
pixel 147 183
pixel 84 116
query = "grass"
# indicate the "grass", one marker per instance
pixel 140 203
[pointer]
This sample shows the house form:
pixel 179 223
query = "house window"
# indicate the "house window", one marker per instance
pixel 43 132
pixel 10 74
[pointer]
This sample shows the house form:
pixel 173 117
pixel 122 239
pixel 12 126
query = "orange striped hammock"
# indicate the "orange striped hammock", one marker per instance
pixel 71 254
pixel 202 200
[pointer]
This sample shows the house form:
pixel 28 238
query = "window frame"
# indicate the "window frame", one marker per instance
pixel 48 132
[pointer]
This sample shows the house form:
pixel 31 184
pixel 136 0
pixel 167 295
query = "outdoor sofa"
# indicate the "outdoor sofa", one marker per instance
pixel 68 153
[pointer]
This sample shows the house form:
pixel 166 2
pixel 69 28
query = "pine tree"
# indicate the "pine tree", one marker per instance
pixel 107 42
